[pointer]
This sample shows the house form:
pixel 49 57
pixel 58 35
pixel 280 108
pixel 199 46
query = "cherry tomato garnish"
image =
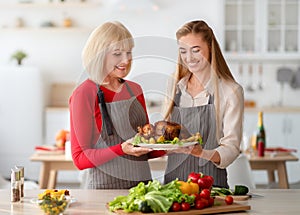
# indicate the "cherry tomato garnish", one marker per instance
pixel 229 200
pixel 205 194
pixel 176 206
pixel 185 206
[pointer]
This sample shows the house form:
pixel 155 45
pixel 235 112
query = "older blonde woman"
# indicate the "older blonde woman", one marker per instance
pixel 204 98
pixel 105 111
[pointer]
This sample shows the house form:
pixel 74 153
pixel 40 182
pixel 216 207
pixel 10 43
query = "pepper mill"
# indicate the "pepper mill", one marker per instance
pixel 15 185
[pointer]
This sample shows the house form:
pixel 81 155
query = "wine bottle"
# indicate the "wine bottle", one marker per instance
pixel 260 135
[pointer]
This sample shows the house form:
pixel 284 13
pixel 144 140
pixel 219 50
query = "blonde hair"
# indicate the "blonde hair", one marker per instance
pixel 104 37
pixel 219 67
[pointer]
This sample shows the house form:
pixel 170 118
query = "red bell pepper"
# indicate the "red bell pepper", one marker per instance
pixel 194 177
pixel 205 181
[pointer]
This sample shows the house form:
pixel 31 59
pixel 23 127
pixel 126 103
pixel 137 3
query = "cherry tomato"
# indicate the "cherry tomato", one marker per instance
pixel 205 194
pixel 196 195
pixel 176 206
pixel 211 201
pixel 185 206
pixel 199 204
pixel 228 200
pixel 205 201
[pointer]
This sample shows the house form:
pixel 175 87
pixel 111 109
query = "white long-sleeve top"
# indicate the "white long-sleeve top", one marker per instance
pixel 231 115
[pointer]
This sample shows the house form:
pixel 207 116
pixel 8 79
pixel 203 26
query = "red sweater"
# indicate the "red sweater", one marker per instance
pixel 86 123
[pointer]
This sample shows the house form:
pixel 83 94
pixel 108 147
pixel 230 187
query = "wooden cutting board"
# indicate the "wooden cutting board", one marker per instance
pixel 222 208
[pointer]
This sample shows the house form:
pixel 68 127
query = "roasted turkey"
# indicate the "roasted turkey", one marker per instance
pixel 169 130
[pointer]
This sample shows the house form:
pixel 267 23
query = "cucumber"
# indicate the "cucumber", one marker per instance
pixel 144 207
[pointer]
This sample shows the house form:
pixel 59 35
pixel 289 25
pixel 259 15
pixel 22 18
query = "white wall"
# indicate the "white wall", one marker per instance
pixel 21 114
pixel 272 92
pixel 58 54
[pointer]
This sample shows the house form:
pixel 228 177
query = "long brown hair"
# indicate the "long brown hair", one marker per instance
pixel 219 67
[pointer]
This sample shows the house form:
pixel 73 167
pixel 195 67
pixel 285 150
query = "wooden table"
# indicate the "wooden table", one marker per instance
pixel 271 164
pixel 51 164
pixel 275 201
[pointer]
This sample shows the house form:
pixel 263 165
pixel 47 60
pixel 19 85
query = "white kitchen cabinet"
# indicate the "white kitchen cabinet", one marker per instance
pixel 264 28
pixel 282 25
pixel 240 25
pixel 282 130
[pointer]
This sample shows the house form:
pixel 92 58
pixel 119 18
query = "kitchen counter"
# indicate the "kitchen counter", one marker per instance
pixel 266 201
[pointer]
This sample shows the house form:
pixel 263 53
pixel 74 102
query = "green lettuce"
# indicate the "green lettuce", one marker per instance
pixel 159 197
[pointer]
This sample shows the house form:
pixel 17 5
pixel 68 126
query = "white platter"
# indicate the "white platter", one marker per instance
pixel 165 146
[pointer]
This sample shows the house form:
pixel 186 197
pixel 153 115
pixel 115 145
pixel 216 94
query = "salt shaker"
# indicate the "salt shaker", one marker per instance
pixel 21 168
pixel 15 185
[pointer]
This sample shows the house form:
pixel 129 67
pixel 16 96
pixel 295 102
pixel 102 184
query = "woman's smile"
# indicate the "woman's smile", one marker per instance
pixel 193 64
pixel 121 67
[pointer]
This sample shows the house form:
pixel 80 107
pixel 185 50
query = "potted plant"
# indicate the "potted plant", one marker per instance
pixel 19 56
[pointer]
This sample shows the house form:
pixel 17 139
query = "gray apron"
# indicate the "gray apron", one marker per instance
pixel 120 120
pixel 195 119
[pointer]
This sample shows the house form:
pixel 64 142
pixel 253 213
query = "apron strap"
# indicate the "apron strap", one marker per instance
pixel 129 89
pixel 211 99
pixel 105 117
pixel 177 98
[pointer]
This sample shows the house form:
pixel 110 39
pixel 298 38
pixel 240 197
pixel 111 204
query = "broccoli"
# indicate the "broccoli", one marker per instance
pixel 240 190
